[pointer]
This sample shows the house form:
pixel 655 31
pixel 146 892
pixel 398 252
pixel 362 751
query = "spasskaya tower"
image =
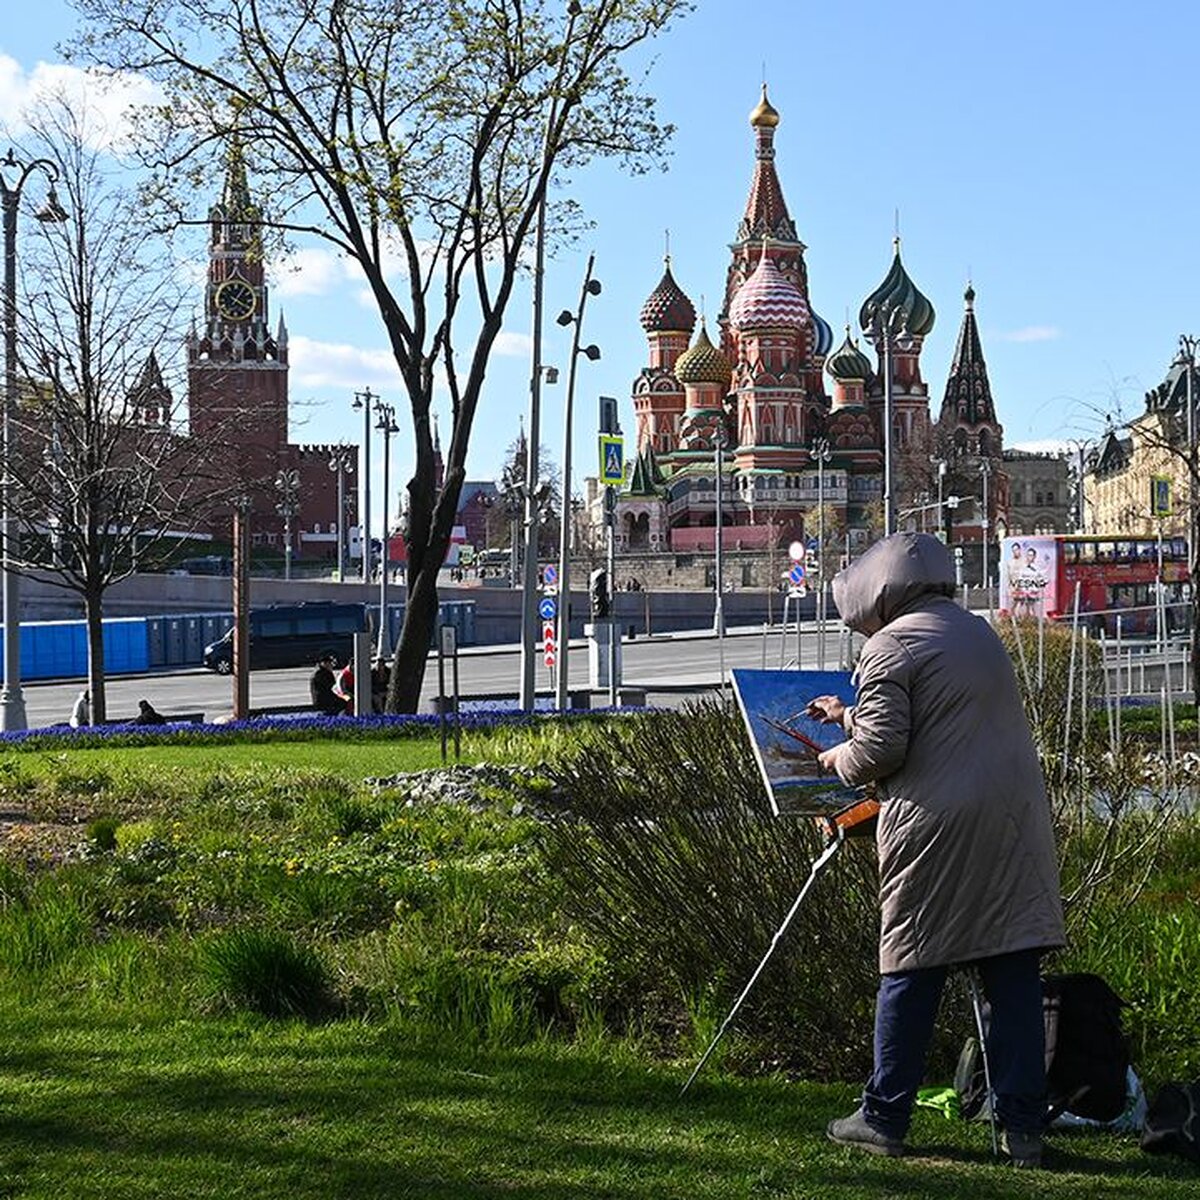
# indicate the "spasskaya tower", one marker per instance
pixel 238 369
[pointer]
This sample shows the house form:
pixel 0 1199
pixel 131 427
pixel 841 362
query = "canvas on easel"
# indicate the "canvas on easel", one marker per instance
pixel 785 740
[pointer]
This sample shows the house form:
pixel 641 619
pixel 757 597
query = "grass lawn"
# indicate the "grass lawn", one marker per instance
pixel 95 1105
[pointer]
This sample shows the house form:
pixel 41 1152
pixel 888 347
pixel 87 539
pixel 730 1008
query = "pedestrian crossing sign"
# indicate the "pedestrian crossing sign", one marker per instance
pixel 612 460
pixel 1160 496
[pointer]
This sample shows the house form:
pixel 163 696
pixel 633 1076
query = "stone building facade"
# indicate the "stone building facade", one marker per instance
pixel 1120 472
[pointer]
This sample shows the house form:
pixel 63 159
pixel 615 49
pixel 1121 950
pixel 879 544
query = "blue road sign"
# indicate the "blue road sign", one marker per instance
pixel 796 574
pixel 612 460
pixel 547 608
pixel 550 575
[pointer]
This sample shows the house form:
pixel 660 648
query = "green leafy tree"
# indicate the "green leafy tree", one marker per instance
pixel 427 131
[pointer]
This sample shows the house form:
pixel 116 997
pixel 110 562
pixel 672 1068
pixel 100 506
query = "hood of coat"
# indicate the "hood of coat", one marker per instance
pixel 893 576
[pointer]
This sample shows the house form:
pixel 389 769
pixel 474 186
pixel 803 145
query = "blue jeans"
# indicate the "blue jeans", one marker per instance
pixel 904 1015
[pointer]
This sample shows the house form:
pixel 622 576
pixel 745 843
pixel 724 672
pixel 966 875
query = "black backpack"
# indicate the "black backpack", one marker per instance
pixel 1087 1054
pixel 1172 1125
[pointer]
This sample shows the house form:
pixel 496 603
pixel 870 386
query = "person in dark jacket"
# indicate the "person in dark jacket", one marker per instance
pixel 968 872
pixel 148 714
pixel 321 686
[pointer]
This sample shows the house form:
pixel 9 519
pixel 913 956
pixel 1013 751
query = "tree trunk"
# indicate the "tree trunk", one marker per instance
pixel 94 611
pixel 412 651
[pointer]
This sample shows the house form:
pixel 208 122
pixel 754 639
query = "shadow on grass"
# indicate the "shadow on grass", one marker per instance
pixel 242 1108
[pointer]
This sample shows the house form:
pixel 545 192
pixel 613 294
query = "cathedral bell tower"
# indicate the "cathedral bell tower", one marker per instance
pixel 237 369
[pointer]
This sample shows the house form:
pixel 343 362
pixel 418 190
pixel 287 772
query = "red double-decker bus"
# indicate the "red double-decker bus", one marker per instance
pixel 1117 578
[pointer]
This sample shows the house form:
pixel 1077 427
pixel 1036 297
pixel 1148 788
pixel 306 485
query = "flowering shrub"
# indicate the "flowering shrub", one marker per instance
pixel 304 727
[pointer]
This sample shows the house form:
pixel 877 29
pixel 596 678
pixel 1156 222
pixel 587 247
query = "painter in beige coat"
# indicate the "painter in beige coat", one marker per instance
pixel 967 861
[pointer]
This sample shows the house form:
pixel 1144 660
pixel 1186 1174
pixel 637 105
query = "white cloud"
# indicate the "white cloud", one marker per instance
pixel 1029 333
pixel 104 97
pixel 513 345
pixel 339 365
pixel 312 271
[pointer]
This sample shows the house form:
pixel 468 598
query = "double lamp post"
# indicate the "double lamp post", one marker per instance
pixel 12 700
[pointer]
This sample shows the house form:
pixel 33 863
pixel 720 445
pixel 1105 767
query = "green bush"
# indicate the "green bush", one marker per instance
pixel 102 834
pixel 267 972
pixel 674 865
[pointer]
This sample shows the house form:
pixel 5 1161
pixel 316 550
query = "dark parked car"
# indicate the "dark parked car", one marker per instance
pixel 293 635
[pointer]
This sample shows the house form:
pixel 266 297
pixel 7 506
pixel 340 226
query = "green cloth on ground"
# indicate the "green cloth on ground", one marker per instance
pixel 944 1099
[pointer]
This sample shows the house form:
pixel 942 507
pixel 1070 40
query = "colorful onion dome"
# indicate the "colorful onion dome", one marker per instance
pixel 848 362
pixel 768 300
pixel 822 334
pixel 898 295
pixel 667 309
pixel 763 114
pixel 702 362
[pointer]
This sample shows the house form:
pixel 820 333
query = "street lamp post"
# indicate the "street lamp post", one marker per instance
pixel 529 583
pixel 888 326
pixel 12 700
pixel 940 464
pixel 1187 358
pixel 985 470
pixel 339 463
pixel 287 483
pixel 719 539
pixel 822 453
pixel 387 426
pixel 591 287
pixel 365 401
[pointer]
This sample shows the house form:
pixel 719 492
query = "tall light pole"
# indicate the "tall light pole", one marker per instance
pixel 985 471
pixel 12 700
pixel 1187 359
pixel 364 402
pixel 719 443
pixel 339 464
pixel 287 483
pixel 529 583
pixel 888 326
pixel 591 287
pixel 387 426
pixel 822 453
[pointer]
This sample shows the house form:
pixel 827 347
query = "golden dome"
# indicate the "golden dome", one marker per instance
pixel 763 113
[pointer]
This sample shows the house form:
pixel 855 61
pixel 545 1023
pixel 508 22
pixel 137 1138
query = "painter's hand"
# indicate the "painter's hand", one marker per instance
pixel 826 709
pixel 828 759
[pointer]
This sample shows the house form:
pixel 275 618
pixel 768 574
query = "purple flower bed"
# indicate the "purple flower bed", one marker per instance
pixel 285 727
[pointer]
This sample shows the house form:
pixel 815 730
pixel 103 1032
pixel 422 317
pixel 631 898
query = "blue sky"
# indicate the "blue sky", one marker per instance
pixel 1045 149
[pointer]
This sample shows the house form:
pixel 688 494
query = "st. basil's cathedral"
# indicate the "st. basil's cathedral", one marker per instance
pixel 772 386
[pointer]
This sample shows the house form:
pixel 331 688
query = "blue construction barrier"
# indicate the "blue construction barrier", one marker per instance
pixel 58 649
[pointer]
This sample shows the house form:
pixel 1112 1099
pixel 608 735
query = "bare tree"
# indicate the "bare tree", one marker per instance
pixel 426 130
pixel 103 473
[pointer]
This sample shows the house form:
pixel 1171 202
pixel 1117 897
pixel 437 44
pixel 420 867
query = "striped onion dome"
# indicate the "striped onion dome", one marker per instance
pixel 702 362
pixel 822 334
pixel 848 361
pixel 768 300
pixel 898 295
pixel 667 309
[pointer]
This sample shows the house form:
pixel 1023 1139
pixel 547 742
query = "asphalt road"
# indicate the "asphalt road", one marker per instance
pixel 670 667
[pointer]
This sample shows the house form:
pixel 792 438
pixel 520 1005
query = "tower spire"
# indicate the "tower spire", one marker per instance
pixel 968 398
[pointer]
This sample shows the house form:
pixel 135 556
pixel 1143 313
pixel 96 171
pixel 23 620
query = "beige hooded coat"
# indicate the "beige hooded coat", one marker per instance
pixel 967 863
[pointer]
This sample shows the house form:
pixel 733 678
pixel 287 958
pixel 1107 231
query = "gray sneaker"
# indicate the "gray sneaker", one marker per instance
pixel 1023 1149
pixel 854 1131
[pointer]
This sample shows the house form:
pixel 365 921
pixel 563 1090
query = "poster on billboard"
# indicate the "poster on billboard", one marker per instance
pixel 1029 576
